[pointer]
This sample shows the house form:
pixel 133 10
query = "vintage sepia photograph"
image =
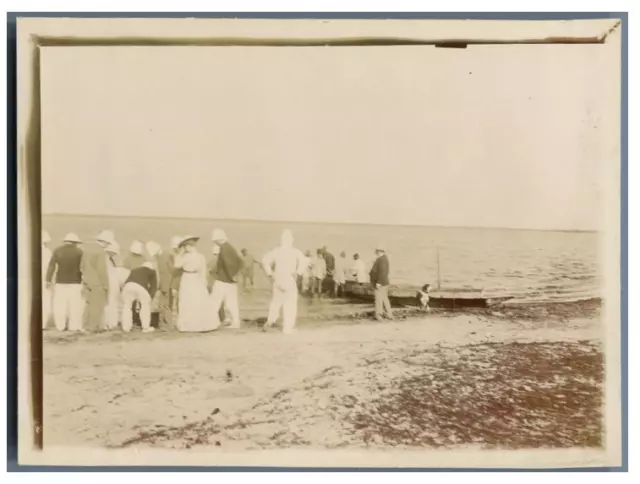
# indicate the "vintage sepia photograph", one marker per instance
pixel 323 242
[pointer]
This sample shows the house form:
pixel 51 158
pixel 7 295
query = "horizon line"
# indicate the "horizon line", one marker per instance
pixel 481 227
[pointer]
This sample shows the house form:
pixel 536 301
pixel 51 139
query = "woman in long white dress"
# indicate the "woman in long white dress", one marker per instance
pixel 193 307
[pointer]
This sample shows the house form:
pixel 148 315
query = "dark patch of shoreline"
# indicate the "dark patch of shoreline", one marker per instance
pixel 533 395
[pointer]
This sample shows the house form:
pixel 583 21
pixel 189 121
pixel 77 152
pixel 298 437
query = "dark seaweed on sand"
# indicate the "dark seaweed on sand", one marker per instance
pixel 496 395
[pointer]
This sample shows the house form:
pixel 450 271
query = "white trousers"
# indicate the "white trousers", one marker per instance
pixel 287 300
pixel 227 294
pixel 112 310
pixel 68 306
pixel 46 305
pixel 132 292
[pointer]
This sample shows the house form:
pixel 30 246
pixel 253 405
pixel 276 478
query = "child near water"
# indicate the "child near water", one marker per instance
pixel 423 297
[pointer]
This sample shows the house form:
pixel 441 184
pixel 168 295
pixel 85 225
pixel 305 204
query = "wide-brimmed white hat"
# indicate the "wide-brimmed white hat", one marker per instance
pixel 218 234
pixel 380 248
pixel 113 247
pixel 187 238
pixel 46 238
pixel 106 236
pixel 153 248
pixel 71 237
pixel 175 241
pixel 136 247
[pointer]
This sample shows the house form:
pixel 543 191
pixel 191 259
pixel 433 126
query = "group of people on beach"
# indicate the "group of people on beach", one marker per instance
pixel 91 287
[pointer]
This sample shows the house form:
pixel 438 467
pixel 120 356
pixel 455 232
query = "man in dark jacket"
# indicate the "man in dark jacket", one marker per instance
pixel 68 304
pixel 141 287
pixel 212 275
pixel 379 277
pixel 225 287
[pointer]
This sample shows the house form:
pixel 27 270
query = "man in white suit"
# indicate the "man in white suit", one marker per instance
pixel 283 266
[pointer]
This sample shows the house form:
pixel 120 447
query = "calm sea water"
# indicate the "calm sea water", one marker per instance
pixel 529 265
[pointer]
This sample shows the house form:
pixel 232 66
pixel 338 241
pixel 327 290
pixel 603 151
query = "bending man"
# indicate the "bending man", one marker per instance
pixel 141 287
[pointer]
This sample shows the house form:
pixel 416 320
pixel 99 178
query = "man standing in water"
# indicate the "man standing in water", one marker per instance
pixel 318 272
pixel 307 276
pixel 225 287
pixel 283 265
pixel 340 276
pixel 358 271
pixel 330 281
pixel 379 277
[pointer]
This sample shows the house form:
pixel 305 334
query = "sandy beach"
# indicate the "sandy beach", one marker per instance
pixel 502 378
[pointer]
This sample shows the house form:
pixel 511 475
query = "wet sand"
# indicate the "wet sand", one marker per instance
pixel 507 378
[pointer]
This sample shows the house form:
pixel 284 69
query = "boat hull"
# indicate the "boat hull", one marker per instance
pixel 408 297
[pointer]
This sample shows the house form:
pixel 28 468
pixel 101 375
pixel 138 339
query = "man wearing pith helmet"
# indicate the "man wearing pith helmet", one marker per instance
pixel 225 287
pixel 65 276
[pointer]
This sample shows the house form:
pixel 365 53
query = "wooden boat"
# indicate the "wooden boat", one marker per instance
pixel 407 297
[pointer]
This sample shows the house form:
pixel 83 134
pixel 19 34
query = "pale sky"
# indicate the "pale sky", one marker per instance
pixel 504 136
